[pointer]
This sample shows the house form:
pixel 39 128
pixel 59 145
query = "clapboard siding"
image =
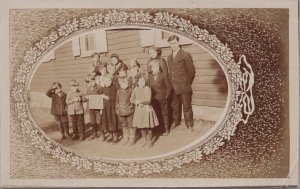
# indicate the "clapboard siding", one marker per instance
pixel 209 87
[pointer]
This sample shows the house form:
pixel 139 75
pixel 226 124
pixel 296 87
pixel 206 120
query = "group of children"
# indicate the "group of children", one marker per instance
pixel 132 102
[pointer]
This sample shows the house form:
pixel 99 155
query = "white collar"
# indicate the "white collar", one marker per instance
pixel 175 53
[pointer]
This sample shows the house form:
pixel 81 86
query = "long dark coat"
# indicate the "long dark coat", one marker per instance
pixel 58 106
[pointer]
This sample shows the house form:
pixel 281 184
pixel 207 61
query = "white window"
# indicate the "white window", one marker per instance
pixel 86 44
pixel 159 38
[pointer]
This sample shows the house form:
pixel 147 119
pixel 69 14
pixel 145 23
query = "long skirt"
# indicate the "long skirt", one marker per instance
pixel 109 117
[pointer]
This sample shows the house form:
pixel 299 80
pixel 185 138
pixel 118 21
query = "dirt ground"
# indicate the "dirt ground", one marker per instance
pixel 178 138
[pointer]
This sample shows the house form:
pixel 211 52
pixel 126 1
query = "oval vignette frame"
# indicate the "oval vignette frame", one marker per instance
pixel 239 105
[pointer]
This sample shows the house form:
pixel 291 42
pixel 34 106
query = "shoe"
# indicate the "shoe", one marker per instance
pixel 63 137
pixel 95 135
pixel 82 138
pixel 115 141
pixel 190 127
pixel 102 137
pixel 68 135
pixel 144 142
pixel 74 137
pixel 131 142
pixel 110 138
pixel 166 133
pixel 124 141
pixel 174 125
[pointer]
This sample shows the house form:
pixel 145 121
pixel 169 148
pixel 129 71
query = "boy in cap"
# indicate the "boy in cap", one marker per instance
pixel 58 108
pixel 95 114
pixel 75 109
pixel 125 110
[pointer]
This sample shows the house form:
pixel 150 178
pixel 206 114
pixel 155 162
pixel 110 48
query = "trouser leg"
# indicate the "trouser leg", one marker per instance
pixel 59 124
pixel 98 120
pixel 65 123
pixel 75 126
pixel 165 115
pixel 80 122
pixel 187 109
pixel 176 107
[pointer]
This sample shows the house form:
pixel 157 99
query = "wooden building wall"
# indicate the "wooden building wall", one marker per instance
pixel 209 86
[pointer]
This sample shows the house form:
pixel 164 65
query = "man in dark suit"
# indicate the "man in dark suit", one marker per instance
pixel 182 74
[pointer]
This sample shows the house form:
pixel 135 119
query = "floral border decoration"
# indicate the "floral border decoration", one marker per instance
pixel 239 74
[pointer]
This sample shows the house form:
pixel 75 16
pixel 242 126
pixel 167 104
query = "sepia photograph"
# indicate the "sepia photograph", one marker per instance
pixel 178 94
pixel 142 116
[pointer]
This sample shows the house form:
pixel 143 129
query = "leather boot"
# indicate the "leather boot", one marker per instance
pixel 61 129
pixel 94 135
pixel 125 138
pixel 102 136
pixel 166 124
pixel 63 136
pixel 75 136
pixel 110 137
pixel 67 133
pixel 115 138
pixel 131 137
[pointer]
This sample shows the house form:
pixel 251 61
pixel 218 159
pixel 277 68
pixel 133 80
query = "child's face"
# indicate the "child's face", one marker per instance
pixel 92 83
pixel 122 73
pixel 103 71
pixel 124 84
pixel 155 67
pixel 74 88
pixel 91 69
pixel 114 60
pixel 133 71
pixel 107 82
pixel 96 58
pixel 132 63
pixel 141 82
pixel 58 90
pixel 152 53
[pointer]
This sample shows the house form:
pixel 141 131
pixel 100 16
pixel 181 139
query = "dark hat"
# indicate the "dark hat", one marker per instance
pixel 114 55
pixel 94 54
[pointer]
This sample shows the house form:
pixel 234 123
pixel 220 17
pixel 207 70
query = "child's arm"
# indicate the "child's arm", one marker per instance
pixel 50 92
pixel 132 97
pixel 85 95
